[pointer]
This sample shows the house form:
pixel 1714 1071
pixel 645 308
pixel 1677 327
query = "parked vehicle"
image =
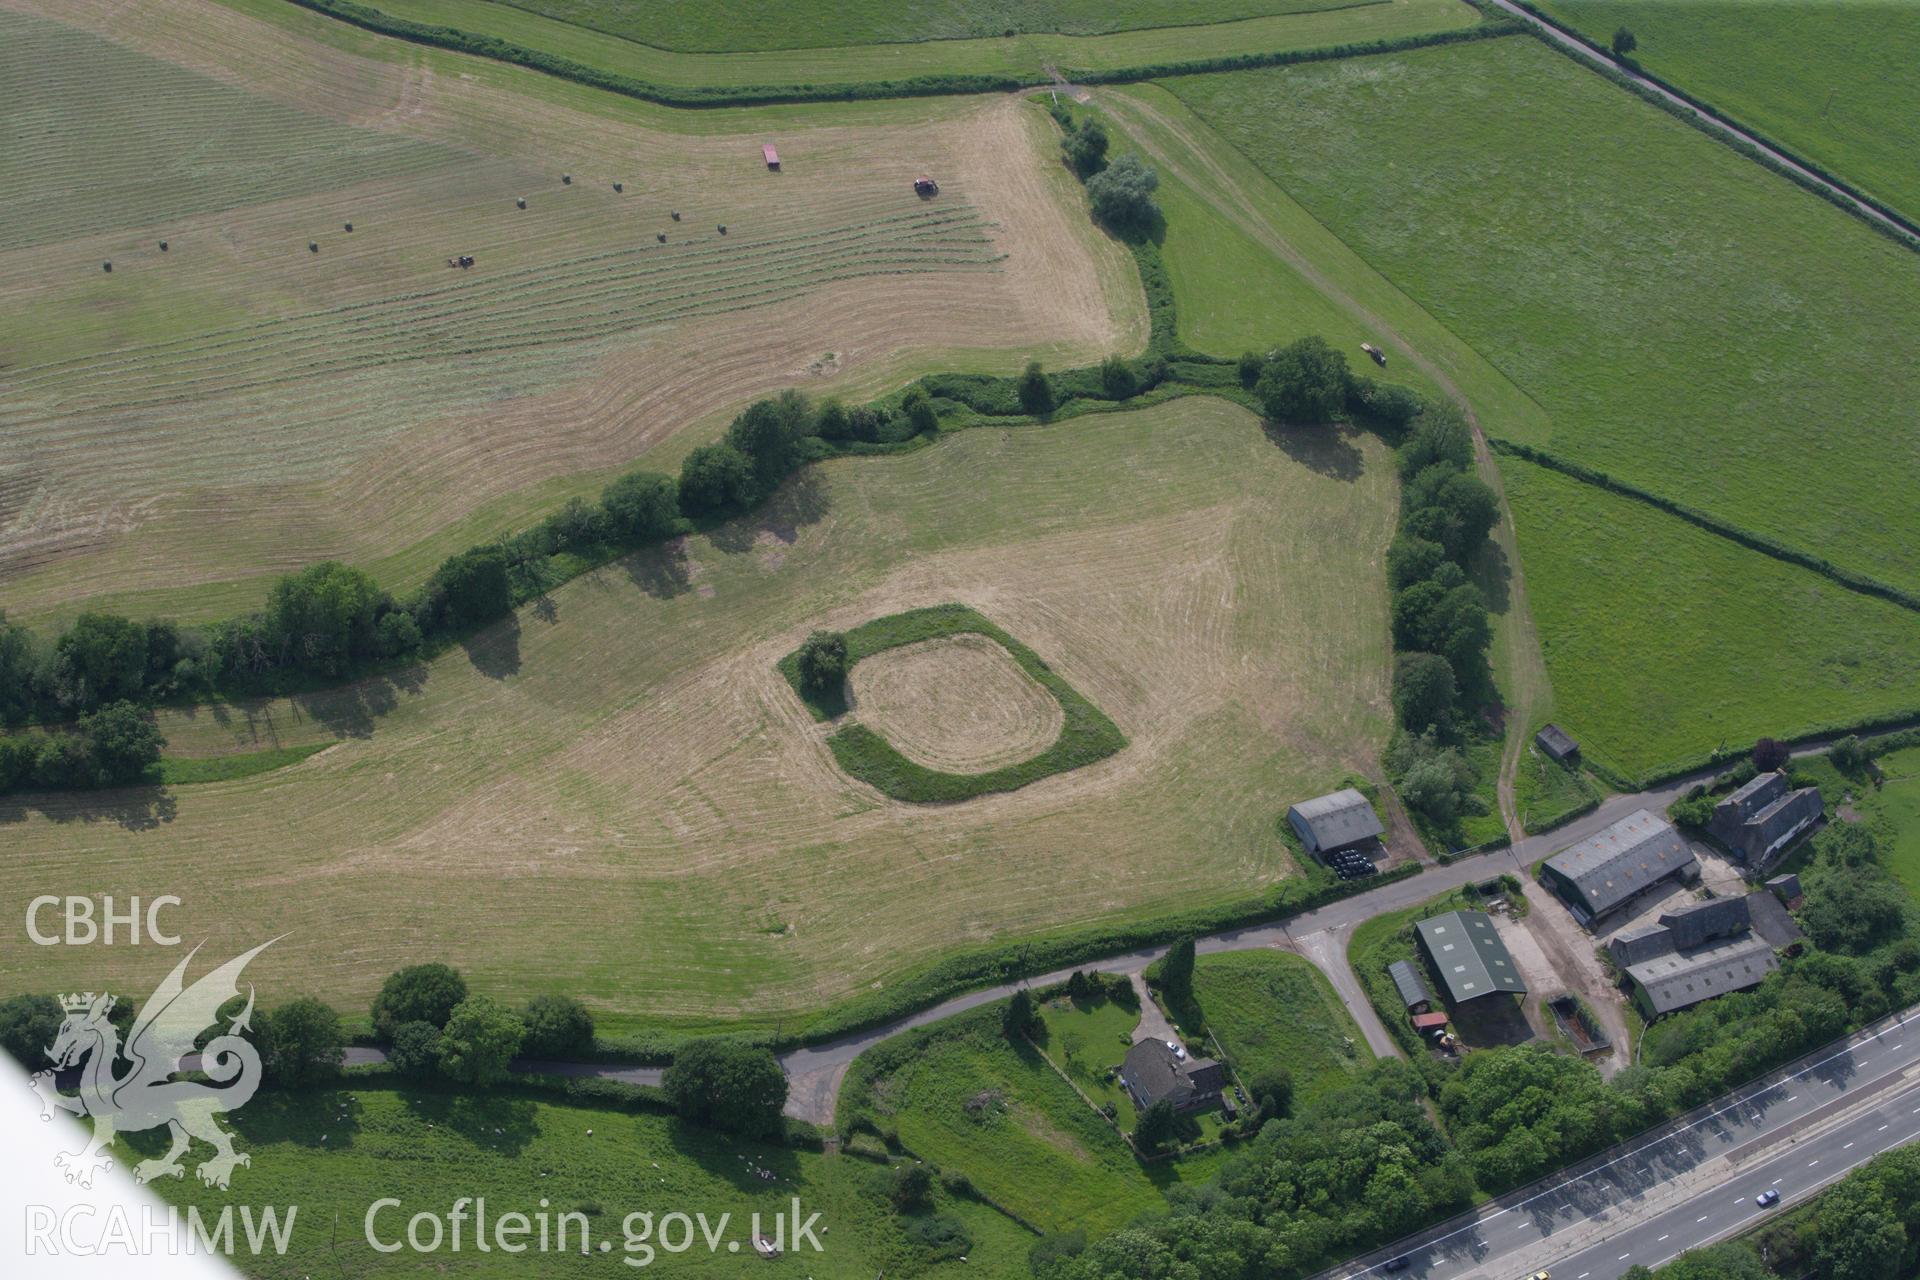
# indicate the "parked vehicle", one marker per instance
pixel 1768 1198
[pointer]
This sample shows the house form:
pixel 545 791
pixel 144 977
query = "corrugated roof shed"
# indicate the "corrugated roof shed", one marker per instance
pixel 1607 868
pixel 1335 821
pixel 1468 955
pixel 1556 742
pixel 1771 921
pixel 1632 946
pixel 1704 922
pixel 1406 978
pixel 1428 1021
pixel 1677 981
pixel 1787 887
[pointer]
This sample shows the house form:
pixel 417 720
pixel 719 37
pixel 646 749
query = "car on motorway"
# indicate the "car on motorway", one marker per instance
pixel 1539 1275
pixel 1768 1198
pixel 1400 1263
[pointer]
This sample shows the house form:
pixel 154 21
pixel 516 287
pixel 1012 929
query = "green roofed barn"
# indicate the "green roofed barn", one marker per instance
pixel 1467 954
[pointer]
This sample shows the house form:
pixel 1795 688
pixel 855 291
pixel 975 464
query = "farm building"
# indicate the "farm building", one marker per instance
pixel 1772 921
pixel 1682 978
pixel 1647 942
pixel 1406 980
pixel 1764 817
pixel 1466 951
pixel 1338 821
pixel 771 156
pixel 1601 872
pixel 1787 889
pixel 1556 742
pixel 1153 1072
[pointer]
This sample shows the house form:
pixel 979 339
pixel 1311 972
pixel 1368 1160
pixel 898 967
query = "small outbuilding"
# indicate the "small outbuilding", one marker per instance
pixel 1407 981
pixel 1329 823
pixel 771 156
pixel 1787 889
pixel 1557 743
pixel 1466 951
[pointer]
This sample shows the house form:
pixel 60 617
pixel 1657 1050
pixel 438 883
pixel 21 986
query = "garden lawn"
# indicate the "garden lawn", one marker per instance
pixel 1272 1011
pixel 1087 1039
pixel 337 1151
pixel 1834 81
pixel 1666 641
pixel 1691 321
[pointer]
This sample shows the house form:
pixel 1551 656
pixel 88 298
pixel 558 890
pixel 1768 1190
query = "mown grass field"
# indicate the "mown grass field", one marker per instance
pixel 338 1151
pixel 1272 1011
pixel 1689 320
pixel 803 24
pixel 1897 804
pixel 361 400
pixel 1835 81
pixel 969 1100
pixel 1666 641
pixel 615 794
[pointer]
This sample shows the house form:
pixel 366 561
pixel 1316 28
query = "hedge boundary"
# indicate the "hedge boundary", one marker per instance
pixel 699 96
pixel 1087 735
pixel 1767 546
pixel 1841 194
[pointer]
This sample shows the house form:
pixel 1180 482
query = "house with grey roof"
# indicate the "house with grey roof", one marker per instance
pixel 1337 821
pixel 1763 817
pixel 1557 743
pixel 1683 978
pixel 1466 953
pixel 1599 874
pixel 1408 982
pixel 1152 1072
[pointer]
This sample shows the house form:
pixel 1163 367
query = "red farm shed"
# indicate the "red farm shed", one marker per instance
pixel 773 157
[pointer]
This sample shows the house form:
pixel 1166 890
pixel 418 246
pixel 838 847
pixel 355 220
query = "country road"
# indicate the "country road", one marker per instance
pixel 1691 1182
pixel 1568 40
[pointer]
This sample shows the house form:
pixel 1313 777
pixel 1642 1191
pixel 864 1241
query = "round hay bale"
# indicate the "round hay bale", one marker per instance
pixel 349 226
pixel 661 236
pixel 723 228
pixel 676 215
pixel 106 266
pixel 313 246
pixel 521 202
pixel 619 186
pixel 163 246
pixel 566 179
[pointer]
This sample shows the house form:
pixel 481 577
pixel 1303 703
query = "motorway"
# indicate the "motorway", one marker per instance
pixel 1692 1182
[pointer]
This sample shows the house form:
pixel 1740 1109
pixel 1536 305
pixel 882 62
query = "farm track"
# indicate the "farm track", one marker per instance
pixel 1528 683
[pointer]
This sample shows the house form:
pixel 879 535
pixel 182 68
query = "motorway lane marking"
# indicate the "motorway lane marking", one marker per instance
pixel 1701 1218
pixel 1848 1147
pixel 1776 1182
pixel 1792 1096
pixel 1881 1129
pixel 1625 1256
pixel 1661 1240
pixel 1812 1163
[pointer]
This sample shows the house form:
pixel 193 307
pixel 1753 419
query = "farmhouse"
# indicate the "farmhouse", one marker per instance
pixel 1764 817
pixel 1407 981
pixel 1601 872
pixel 1555 741
pixel 1327 824
pixel 1152 1072
pixel 1466 951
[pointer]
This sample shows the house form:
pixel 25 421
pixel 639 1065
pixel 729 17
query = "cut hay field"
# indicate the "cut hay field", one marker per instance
pixel 1835 81
pixel 338 1151
pixel 1718 647
pixel 813 24
pixel 615 794
pixel 1024 54
pixel 175 432
pixel 1687 320
pixel 1690 321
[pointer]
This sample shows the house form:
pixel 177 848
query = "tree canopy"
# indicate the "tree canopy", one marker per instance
pixel 728 1084
pixel 1122 193
pixel 418 993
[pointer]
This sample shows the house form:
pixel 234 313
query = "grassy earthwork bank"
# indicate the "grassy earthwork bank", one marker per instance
pixel 1529 243
pixel 1086 735
pixel 334 1152
pixel 1833 83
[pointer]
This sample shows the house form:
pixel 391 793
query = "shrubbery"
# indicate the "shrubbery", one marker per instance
pixel 728 1084
pixel 1305 383
pixel 1122 194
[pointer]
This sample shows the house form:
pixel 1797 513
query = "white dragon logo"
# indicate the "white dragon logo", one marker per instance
pixel 146 1096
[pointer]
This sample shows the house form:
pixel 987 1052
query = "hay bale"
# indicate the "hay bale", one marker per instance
pixel 661 236
pixel 521 202
pixel 349 226
pixel 676 215
pixel 163 246
pixel 566 179
pixel 723 228
pixel 619 186
pixel 313 246
pixel 106 266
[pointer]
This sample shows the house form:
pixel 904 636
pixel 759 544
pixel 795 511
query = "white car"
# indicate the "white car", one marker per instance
pixel 1768 1198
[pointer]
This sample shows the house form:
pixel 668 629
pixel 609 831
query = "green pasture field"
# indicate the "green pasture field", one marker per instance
pixel 337 1151
pixel 969 1100
pixel 1023 55
pixel 812 24
pixel 1834 81
pixel 1086 736
pixel 1690 321
pixel 1666 641
pixel 1896 803
pixel 1275 1011
pixel 626 751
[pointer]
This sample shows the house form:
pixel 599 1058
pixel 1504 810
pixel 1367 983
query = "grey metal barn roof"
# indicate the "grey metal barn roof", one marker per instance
pixel 1677 981
pixel 1611 866
pixel 1406 977
pixel 1468 955
pixel 1703 922
pixel 1556 742
pixel 1336 820
pixel 1770 919
pixel 1634 946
